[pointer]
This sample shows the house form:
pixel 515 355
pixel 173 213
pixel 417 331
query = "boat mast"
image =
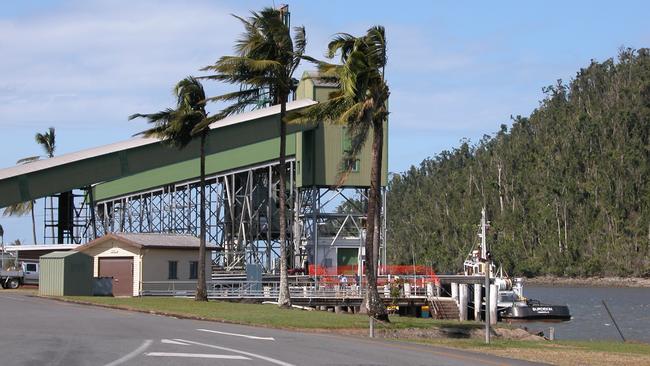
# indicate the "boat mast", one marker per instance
pixel 484 250
pixel 484 255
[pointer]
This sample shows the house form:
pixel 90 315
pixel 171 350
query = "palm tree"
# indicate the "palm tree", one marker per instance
pixel 178 127
pixel 361 105
pixel 47 141
pixel 266 58
pixel 23 208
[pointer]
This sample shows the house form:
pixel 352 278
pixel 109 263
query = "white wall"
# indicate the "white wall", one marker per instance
pixel 114 249
pixel 155 263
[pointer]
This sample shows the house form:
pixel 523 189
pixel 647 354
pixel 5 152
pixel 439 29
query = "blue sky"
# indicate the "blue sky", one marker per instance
pixel 456 69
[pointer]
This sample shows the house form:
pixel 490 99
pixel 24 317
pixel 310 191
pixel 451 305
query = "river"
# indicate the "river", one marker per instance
pixel 629 306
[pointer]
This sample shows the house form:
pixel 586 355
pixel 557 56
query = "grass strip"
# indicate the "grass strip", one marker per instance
pixel 261 315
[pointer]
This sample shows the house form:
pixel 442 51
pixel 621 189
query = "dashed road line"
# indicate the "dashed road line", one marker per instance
pixel 169 341
pixel 196 355
pixel 237 335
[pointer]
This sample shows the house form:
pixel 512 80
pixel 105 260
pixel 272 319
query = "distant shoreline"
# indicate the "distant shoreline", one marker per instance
pixel 588 281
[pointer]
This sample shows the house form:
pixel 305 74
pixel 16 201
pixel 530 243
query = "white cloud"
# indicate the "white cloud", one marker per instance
pixel 104 59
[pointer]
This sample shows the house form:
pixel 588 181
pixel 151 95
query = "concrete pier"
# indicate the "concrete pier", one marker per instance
pixel 454 291
pixel 462 303
pixel 477 301
pixel 494 293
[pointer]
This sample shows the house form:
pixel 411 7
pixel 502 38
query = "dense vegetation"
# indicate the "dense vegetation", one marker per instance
pixel 567 189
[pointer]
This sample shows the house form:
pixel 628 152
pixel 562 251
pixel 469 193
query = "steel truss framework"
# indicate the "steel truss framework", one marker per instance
pixel 328 215
pixel 242 216
pixel 65 218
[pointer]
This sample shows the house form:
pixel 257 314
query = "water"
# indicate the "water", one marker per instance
pixel 629 306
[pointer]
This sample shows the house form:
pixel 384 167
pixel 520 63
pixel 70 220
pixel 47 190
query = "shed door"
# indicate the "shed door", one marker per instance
pixel 121 269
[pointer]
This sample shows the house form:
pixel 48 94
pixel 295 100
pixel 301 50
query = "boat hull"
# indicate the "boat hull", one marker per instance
pixel 536 312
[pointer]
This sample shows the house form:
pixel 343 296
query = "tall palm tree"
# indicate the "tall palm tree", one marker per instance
pixel 47 141
pixel 24 208
pixel 360 104
pixel 178 127
pixel 266 58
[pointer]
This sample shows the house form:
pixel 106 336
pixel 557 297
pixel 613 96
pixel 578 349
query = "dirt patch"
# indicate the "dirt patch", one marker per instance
pixel 570 358
pixel 441 332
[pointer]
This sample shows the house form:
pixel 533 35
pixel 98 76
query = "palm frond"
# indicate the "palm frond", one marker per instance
pixel 18 209
pixel 28 160
pixel 177 127
pixel 265 58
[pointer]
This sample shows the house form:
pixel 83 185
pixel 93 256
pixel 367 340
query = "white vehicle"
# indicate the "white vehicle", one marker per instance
pixel 13 278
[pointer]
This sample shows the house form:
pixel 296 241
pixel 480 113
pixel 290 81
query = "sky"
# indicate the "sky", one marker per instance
pixel 457 69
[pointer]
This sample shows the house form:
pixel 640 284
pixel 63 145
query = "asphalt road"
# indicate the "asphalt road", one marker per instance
pixel 35 331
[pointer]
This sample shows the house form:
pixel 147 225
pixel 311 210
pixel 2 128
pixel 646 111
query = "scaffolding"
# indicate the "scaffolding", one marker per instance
pixel 65 218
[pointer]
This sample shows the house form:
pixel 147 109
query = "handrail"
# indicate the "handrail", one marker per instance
pixel 267 289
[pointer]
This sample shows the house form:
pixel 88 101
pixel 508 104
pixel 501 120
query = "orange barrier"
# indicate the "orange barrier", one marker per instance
pixel 415 275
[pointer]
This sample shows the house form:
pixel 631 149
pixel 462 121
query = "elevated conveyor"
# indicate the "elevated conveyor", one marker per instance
pixel 258 130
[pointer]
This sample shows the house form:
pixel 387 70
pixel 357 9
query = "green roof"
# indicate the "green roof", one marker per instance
pixel 61 254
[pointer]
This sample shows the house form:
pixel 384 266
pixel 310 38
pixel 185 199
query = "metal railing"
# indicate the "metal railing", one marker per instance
pixel 238 289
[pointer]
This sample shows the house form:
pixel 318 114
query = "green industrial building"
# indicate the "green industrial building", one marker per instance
pixel 142 185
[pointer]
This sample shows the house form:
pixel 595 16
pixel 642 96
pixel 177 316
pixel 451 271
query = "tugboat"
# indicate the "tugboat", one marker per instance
pixel 512 305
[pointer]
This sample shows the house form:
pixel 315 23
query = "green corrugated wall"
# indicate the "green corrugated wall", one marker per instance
pixel 319 152
pixel 65 274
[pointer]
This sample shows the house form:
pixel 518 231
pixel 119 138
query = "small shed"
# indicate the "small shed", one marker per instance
pixel 135 260
pixel 66 274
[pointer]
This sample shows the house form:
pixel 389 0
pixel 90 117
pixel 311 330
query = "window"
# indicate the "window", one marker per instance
pixel 30 267
pixel 353 166
pixel 194 270
pixel 346 147
pixel 173 270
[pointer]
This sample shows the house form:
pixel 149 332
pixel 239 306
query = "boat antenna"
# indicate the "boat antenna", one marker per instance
pixel 484 224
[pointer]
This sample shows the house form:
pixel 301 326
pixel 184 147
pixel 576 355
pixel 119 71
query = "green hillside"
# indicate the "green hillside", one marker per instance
pixel 567 188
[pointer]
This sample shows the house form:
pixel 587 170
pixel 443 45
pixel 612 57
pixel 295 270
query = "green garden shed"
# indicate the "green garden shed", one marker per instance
pixel 65 274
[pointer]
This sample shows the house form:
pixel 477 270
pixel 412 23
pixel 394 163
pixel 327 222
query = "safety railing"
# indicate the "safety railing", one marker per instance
pixel 237 289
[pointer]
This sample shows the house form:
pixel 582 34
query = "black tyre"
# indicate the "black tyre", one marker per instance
pixel 13 284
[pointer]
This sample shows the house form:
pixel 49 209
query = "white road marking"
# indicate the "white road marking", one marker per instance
pixel 196 355
pixel 237 335
pixel 250 354
pixel 131 355
pixel 169 341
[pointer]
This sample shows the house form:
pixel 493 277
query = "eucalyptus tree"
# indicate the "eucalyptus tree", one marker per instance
pixel 265 60
pixel 178 127
pixel 360 104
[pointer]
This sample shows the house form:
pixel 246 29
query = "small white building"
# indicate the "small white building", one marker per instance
pixel 132 259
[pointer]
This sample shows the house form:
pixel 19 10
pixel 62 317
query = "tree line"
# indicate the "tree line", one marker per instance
pixel 567 189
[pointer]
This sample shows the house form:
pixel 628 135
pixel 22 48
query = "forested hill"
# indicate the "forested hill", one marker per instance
pixel 567 189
